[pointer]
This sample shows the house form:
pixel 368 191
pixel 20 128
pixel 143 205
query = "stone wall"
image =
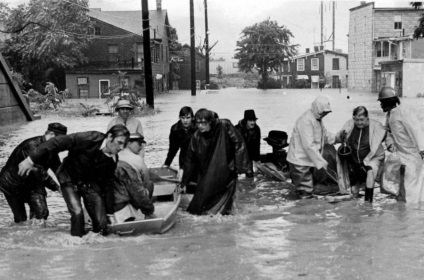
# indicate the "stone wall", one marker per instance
pixel 413 70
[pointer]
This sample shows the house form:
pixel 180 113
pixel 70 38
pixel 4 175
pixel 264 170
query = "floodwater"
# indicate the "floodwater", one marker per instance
pixel 272 236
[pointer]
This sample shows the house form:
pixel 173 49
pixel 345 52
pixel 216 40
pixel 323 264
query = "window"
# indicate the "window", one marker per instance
pixel 398 22
pixel 139 54
pixel 104 87
pixel 378 49
pixel 235 64
pixel 82 80
pixel 96 30
pixel 83 93
pixel 288 66
pixel 113 53
pixel 197 84
pixel 315 64
pixel 336 65
pixel 300 65
pixel 385 48
pixel 197 65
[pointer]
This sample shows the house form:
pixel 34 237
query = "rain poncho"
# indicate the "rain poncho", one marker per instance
pixel 374 157
pixel 218 155
pixel 407 134
pixel 309 136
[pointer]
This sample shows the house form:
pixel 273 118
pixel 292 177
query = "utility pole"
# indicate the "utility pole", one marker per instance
pixel 334 24
pixel 322 24
pixel 207 43
pixel 150 100
pixel 193 51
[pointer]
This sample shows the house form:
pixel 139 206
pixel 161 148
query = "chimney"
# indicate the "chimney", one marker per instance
pixel 316 49
pixel 363 3
pixel 159 5
pixel 307 50
pixel 321 48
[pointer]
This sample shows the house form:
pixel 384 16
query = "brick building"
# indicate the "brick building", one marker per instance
pixel 117 45
pixel 309 66
pixel 185 70
pixel 382 50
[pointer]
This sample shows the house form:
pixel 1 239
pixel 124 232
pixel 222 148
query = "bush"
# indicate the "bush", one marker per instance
pixel 271 83
pixel 302 84
pixel 213 85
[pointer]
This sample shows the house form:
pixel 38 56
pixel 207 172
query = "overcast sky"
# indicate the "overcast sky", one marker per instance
pixel 227 19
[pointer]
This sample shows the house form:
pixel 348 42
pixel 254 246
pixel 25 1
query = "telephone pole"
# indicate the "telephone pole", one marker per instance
pixel 193 51
pixel 206 43
pixel 150 100
pixel 322 24
pixel 334 24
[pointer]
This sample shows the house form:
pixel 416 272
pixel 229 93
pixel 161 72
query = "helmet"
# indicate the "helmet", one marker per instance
pixel 386 92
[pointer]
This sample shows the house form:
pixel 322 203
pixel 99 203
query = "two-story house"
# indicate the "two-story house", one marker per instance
pixel 185 69
pixel 311 65
pixel 382 50
pixel 117 45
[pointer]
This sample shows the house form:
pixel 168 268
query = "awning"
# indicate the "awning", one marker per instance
pixel 315 79
pixel 302 77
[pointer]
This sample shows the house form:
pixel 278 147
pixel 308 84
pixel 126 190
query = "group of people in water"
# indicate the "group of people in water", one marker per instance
pixel 107 173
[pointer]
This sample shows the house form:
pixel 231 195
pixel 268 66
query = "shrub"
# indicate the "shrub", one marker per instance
pixel 271 83
pixel 302 84
pixel 213 85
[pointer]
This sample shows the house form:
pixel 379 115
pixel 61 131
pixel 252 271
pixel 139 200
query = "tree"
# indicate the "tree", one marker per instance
pixel 264 46
pixel 48 37
pixel 419 30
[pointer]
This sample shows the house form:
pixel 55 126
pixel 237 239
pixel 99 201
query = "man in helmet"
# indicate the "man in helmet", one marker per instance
pixel 405 136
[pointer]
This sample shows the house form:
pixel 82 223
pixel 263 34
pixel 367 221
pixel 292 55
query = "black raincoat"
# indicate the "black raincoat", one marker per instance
pixel 218 155
pixel 252 138
pixel 13 184
pixel 179 138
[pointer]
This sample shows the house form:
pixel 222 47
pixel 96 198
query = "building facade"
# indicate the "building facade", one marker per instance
pixel 382 50
pixel 184 62
pixel 117 46
pixel 332 65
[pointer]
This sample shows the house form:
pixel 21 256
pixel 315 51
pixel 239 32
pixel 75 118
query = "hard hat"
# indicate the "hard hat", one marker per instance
pixel 386 92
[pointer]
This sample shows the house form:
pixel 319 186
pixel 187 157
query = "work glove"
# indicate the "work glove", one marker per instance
pixel 25 167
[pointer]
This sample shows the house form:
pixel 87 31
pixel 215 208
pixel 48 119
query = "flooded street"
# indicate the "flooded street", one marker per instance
pixel 272 236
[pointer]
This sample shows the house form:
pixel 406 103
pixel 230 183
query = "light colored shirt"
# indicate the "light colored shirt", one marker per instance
pixel 132 124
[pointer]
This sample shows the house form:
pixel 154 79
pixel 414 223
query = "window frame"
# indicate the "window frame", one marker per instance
pixel 300 64
pixel 80 81
pixel 315 68
pixel 113 56
pixel 397 22
pixel 334 64
pixel 100 88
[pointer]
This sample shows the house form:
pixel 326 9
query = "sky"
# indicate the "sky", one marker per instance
pixel 228 18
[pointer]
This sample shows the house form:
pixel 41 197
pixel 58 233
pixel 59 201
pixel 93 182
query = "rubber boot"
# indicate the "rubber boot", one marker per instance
pixel 369 194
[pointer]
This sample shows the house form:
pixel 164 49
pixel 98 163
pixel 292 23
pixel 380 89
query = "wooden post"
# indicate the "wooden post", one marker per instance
pixel 193 51
pixel 150 100
pixel 207 80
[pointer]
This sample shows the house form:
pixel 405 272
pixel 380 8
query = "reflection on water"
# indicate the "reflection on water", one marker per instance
pixel 272 236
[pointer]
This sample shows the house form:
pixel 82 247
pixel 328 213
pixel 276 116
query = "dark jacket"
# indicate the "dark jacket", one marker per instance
pixel 13 184
pixel 252 138
pixel 218 155
pixel 179 138
pixel 129 188
pixel 85 164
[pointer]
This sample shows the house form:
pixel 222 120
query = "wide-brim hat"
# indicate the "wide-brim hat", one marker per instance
pixel 277 138
pixel 249 115
pixel 57 128
pixel 137 137
pixel 123 103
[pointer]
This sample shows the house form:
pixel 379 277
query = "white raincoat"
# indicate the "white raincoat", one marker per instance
pixel 309 136
pixel 407 134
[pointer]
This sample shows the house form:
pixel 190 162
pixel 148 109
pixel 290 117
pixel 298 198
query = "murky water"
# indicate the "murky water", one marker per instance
pixel 272 236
